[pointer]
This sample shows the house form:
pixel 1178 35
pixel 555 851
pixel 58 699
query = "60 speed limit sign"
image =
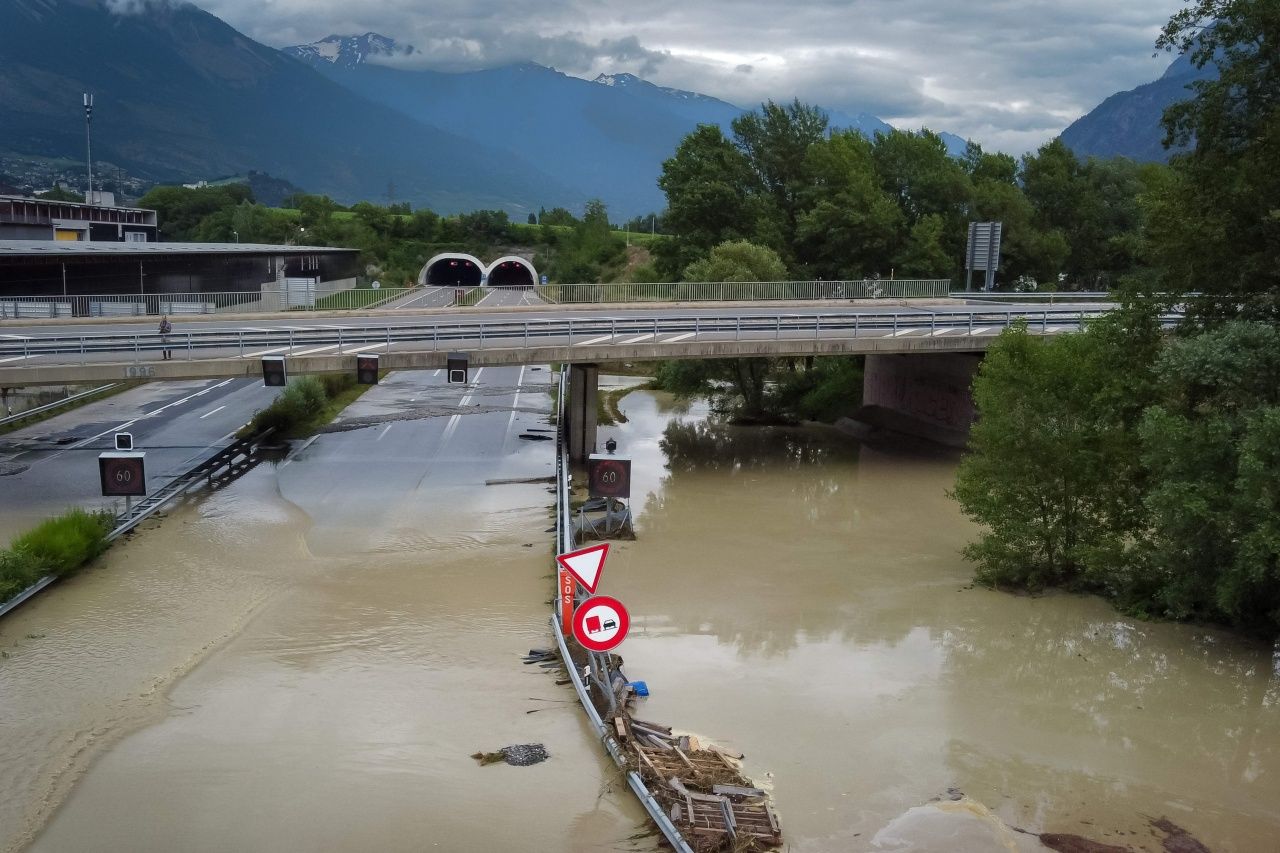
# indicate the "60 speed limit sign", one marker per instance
pixel 123 475
pixel 609 476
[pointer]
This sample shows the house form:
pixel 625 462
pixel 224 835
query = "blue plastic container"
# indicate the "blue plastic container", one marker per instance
pixel 640 687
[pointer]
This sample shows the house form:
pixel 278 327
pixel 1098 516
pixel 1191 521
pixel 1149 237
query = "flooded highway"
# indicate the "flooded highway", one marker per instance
pixel 306 659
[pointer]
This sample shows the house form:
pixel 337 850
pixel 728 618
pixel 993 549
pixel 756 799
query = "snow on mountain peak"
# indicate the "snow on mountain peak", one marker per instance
pixel 350 51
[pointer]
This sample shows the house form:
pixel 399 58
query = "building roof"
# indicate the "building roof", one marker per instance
pixel 74 249
pixel 23 198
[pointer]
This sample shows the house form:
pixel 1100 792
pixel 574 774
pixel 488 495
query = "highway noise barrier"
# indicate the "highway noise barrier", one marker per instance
pixel 274 374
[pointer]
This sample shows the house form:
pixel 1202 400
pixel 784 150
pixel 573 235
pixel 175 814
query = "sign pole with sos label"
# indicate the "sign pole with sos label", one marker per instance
pixel 584 566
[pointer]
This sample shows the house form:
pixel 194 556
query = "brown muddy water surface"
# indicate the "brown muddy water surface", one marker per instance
pixel 306 660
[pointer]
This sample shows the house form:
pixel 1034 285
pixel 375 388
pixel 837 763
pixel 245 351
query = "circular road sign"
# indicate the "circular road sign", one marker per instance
pixel 600 623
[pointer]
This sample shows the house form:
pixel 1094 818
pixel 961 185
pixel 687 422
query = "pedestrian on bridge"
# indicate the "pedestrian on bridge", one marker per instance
pixel 165 329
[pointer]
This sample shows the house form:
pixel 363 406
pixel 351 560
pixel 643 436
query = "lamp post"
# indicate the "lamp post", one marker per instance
pixel 88 143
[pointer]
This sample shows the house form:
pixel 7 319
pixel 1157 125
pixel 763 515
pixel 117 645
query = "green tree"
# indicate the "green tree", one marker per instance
pixel 776 141
pixel 849 227
pixel 1212 447
pixel 925 255
pixel 738 261
pixel 1052 471
pixel 180 209
pixel 711 193
pixel 59 194
pixel 1218 222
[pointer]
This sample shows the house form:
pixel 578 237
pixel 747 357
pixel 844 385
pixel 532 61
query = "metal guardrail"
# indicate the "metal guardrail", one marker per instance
pixel 56 404
pixel 353 299
pixel 480 332
pixel 1049 297
pixel 231 461
pixel 189 304
pixel 564 544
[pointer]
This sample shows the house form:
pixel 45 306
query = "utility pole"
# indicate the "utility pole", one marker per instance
pixel 88 143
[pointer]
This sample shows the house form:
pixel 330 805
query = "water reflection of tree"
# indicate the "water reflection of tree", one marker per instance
pixel 706 445
pixel 807 481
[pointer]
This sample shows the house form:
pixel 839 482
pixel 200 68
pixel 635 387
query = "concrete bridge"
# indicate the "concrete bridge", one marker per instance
pixel 906 346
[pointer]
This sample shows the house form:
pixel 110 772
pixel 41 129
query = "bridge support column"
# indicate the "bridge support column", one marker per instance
pixel 580 408
pixel 926 396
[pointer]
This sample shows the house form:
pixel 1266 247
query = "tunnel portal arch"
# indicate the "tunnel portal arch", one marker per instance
pixel 453 269
pixel 512 271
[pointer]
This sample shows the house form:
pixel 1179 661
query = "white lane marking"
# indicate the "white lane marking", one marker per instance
pixel 366 347
pixel 453 421
pixel 940 332
pixel 265 352
pixel 252 329
pixel 679 338
pixel 16 337
pixel 982 331
pixel 316 350
pixel 16 358
pixel 212 412
pixel 902 332
pixel 599 340
pixel 385 430
pixel 126 424
pixel 294 454
pixel 636 340
pixel 515 401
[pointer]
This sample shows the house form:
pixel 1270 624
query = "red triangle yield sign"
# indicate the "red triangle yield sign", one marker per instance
pixel 586 565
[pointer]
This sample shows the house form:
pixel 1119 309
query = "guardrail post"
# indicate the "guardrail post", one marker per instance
pixel 695 328
pixel 570 332
pixel 339 340
pixel 895 324
pixel 1044 324
pixel 190 354
pixel 241 336
pixel 137 349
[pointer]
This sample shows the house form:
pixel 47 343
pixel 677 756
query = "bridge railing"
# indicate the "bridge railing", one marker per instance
pixel 483 332
pixel 744 291
pixel 189 304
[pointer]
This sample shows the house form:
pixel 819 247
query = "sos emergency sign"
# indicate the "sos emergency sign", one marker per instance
pixel 600 623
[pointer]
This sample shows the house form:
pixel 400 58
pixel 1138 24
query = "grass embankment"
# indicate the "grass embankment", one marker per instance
pixel 306 405
pixel 357 297
pixel 607 411
pixel 62 410
pixel 59 546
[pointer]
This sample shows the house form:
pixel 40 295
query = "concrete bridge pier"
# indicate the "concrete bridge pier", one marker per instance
pixel 928 396
pixel 580 410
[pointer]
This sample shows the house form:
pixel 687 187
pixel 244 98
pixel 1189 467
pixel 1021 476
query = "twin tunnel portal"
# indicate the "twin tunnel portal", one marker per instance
pixel 458 269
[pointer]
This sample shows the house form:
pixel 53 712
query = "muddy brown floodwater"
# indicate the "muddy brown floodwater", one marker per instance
pixel 800 598
pixel 307 659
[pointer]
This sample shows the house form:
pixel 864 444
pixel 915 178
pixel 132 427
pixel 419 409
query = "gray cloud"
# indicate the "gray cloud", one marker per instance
pixel 1009 73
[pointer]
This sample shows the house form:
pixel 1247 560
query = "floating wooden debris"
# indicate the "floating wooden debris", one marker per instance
pixel 519 480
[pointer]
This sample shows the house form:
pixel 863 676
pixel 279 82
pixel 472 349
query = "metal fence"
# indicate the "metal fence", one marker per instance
pixel 745 291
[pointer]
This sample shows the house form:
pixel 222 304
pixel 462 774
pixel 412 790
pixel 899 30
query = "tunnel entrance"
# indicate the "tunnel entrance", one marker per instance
pixel 454 271
pixel 512 272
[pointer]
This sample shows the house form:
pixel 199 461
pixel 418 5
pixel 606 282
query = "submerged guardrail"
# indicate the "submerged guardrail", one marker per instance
pixel 564 544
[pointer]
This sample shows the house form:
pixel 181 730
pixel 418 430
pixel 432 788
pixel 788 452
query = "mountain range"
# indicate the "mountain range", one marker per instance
pixel 1127 124
pixel 182 96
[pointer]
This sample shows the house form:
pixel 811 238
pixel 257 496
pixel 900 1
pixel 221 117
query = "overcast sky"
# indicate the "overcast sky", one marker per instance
pixel 1008 73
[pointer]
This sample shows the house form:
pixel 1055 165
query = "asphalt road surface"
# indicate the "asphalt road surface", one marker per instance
pixel 52 465
pixel 395 449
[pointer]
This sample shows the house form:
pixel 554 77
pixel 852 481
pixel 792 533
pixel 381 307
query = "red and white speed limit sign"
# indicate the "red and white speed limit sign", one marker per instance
pixel 600 623
pixel 122 475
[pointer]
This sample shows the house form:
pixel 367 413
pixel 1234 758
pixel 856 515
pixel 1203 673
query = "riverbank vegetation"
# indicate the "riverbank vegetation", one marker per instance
pixel 307 404
pixel 59 546
pixel 1142 466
